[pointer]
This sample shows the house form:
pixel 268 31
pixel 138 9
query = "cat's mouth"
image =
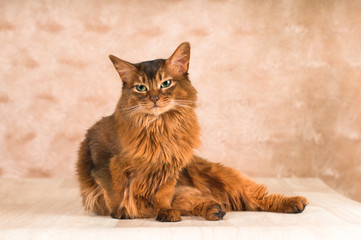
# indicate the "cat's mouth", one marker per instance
pixel 158 109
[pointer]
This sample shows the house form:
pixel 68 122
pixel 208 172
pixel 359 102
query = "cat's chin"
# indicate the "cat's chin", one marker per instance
pixel 158 110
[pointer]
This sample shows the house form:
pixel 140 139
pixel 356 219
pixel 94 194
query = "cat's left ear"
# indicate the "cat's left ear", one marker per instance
pixel 178 63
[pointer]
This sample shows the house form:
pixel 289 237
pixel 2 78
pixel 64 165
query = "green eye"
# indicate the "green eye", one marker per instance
pixel 141 88
pixel 166 84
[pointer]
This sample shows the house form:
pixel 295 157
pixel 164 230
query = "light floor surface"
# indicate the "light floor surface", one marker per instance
pixel 51 209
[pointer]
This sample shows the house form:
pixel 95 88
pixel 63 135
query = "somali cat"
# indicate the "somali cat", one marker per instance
pixel 139 162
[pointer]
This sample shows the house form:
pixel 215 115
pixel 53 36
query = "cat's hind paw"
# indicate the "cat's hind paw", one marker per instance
pixel 214 212
pixel 295 205
pixel 168 215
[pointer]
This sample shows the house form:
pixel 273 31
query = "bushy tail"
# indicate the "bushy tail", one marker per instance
pixel 91 192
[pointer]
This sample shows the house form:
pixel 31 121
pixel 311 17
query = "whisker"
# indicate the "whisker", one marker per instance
pixel 181 100
pixel 183 105
pixel 134 110
pixel 132 107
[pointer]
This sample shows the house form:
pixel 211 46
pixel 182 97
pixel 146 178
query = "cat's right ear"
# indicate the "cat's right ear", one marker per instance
pixel 124 68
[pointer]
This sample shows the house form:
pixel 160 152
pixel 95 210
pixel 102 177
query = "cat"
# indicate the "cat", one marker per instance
pixel 139 162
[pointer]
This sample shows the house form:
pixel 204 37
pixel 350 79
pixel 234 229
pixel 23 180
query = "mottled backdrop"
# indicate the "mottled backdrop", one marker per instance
pixel 279 81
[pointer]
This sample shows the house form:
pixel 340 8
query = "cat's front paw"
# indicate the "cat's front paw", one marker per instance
pixel 295 204
pixel 120 214
pixel 168 215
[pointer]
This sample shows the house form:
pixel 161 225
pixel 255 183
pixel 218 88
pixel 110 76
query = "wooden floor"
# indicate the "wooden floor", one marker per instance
pixel 51 209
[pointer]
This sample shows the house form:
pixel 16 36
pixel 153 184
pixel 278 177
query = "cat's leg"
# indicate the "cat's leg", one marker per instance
pixel 162 203
pixel 242 193
pixel 189 201
pixel 117 188
pixel 256 198
pixel 112 196
pixel 235 191
pixel 128 201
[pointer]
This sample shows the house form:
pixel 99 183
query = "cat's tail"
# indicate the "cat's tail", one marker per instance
pixel 91 192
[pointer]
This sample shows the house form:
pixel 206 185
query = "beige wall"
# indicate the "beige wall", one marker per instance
pixel 279 81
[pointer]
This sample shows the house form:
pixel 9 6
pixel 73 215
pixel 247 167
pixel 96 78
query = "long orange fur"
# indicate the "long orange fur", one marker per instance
pixel 139 162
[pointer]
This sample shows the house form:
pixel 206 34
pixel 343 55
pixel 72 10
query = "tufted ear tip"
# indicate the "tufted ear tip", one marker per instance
pixel 185 45
pixel 124 68
pixel 179 61
pixel 112 58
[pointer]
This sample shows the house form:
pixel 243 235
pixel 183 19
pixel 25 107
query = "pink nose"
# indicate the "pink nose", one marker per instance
pixel 154 99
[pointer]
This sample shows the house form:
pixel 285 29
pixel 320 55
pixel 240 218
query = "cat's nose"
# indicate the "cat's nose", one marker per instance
pixel 154 98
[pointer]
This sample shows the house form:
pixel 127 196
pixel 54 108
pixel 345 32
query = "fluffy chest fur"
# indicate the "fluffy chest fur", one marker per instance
pixel 168 139
pixel 154 150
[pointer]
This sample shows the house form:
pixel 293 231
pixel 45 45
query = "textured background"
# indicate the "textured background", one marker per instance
pixel 279 82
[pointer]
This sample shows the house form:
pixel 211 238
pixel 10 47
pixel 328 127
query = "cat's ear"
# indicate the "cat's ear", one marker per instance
pixel 178 63
pixel 124 68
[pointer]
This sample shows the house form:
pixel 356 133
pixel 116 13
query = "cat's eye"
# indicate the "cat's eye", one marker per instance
pixel 166 84
pixel 141 88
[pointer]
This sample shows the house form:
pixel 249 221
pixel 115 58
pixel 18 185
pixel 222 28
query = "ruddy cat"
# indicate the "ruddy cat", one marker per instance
pixel 139 162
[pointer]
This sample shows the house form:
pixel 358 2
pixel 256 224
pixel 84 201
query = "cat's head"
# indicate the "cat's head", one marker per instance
pixel 158 86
